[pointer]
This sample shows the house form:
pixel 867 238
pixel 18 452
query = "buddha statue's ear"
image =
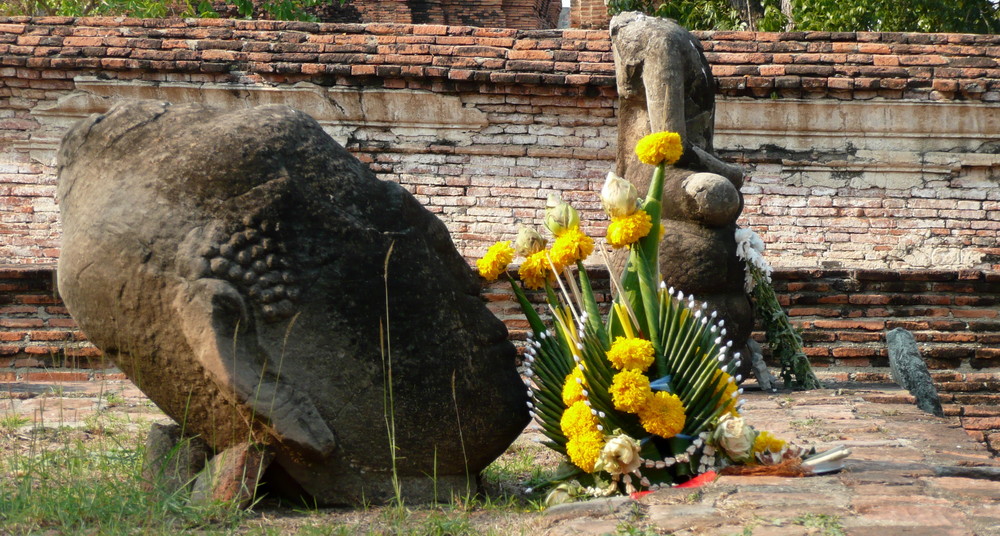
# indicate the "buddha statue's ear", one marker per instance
pixel 219 327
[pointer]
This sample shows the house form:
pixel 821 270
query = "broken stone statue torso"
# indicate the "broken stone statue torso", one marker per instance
pixel 666 84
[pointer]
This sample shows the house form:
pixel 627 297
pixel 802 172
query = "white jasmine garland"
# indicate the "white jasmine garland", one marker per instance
pixel 750 248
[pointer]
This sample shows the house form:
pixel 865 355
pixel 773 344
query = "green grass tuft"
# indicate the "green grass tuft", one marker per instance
pixel 89 481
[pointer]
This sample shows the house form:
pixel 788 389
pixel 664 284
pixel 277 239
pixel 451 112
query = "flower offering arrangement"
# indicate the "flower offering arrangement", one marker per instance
pixel 649 396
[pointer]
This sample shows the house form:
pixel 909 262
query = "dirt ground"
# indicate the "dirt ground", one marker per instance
pixel 910 474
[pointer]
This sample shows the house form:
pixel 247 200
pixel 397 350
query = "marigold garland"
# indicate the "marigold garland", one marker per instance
pixel 571 246
pixel 496 260
pixel 535 270
pixel 573 388
pixel 630 391
pixel 584 450
pixel 631 353
pixel 577 420
pixel 626 230
pixel 659 147
pixel 663 415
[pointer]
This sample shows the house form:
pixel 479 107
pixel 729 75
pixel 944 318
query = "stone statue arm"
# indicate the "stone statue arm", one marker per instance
pixel 666 83
pixel 664 87
pixel 713 164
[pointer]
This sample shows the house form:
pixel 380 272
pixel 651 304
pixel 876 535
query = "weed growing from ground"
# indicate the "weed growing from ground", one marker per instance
pixel 12 422
pixel 828 524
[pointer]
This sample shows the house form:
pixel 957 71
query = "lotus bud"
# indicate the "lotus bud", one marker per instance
pixel 619 196
pixel 559 216
pixel 528 242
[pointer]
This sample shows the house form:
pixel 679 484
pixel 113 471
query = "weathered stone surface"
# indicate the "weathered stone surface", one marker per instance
pixel 665 84
pixel 910 371
pixel 593 507
pixel 232 476
pixel 702 261
pixel 232 265
pixel 765 380
pixel 172 461
pixel 710 199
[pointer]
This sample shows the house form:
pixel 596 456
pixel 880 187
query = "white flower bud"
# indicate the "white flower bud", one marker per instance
pixel 528 242
pixel 619 197
pixel 559 215
pixel 735 437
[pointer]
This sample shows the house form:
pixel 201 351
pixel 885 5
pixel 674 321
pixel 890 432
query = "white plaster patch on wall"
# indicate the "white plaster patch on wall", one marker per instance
pixel 341 111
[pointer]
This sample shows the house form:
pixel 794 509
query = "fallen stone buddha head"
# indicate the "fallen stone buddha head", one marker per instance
pixel 259 284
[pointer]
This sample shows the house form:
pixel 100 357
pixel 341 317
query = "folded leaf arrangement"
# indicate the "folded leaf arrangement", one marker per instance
pixel 650 395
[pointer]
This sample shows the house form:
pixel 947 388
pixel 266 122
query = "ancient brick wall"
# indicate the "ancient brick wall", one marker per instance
pixel 397 12
pixel 868 153
pixel 864 150
pixel 36 330
pixel 520 14
pixel 588 14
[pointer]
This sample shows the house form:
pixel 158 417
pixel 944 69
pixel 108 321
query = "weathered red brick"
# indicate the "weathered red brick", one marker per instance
pixel 856 351
pixel 870 325
pixel 56 376
pixel 21 323
pixel 48 335
pixel 981 423
pixel 89 351
pixel 988 353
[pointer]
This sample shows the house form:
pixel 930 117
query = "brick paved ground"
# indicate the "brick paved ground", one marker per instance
pixel 910 473
pixel 70 403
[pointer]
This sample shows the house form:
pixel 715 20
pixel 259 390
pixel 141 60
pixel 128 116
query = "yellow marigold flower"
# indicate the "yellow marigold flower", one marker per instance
pixel 630 353
pixel 584 450
pixel 496 260
pixel 571 246
pixel 578 420
pixel 535 270
pixel 663 415
pixel 630 391
pixel 627 230
pixel 573 389
pixel 766 442
pixel 660 147
pixel 729 389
